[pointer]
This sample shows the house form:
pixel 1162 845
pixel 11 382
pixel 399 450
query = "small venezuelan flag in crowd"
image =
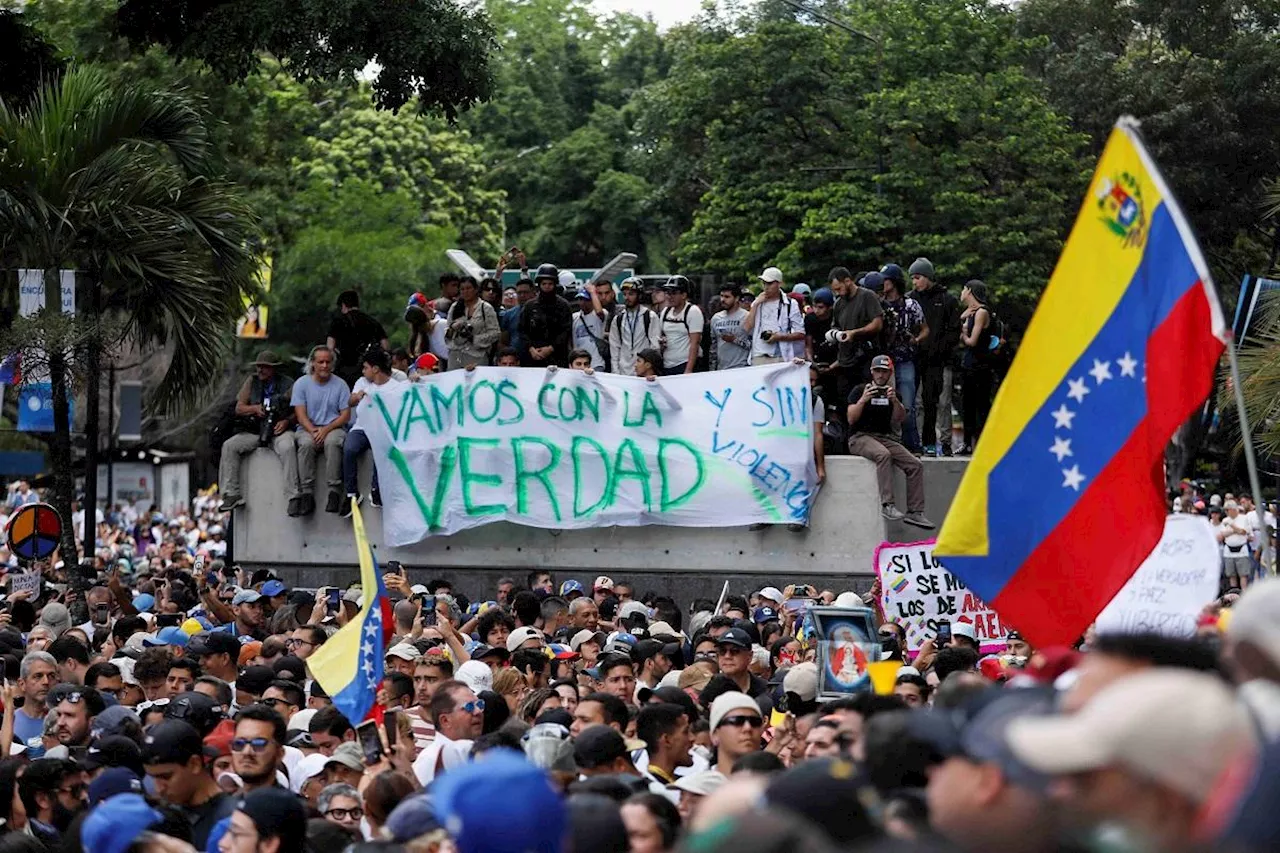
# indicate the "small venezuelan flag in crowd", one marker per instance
pixel 1064 498
pixel 349 666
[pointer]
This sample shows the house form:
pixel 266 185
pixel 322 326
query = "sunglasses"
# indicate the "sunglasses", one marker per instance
pixel 740 720
pixel 57 696
pixel 345 814
pixel 472 707
pixel 257 744
pixel 272 703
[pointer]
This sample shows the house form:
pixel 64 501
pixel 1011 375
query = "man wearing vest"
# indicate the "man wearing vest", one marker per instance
pixel 632 330
pixel 874 410
pixel 775 323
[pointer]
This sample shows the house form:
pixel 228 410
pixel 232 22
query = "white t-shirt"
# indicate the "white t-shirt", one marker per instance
pixel 676 327
pixel 442 752
pixel 437 344
pixel 588 334
pixel 1237 537
pixel 365 385
pixel 783 316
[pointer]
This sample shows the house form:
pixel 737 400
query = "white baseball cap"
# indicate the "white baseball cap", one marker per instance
pixel 962 628
pixel 404 651
pixel 772 593
pixel 520 636
pixel 702 784
pixel 602 582
pixel 1178 728
pixel 771 274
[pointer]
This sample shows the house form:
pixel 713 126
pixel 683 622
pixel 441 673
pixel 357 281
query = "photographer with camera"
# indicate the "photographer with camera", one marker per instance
pixel 874 410
pixel 473 327
pixel 264 418
pixel 857 320
pixel 775 323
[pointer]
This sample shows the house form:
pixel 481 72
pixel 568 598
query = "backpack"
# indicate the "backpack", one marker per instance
pixel 703 356
pixel 616 322
pixel 1002 348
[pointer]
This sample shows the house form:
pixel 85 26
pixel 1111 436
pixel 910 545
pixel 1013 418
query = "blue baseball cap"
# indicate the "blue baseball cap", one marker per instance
pixel 412 818
pixel 571 586
pixel 499 804
pixel 116 823
pixel 171 636
pixel 764 613
pixel 144 602
pixel 245 596
pixel 112 781
pixel 273 587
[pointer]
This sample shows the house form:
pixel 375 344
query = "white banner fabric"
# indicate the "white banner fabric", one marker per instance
pixel 564 450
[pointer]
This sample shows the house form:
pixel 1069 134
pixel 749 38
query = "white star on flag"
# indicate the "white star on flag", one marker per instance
pixel 1101 371
pixel 1062 417
pixel 371 628
pixel 1072 478
pixel 368 667
pixel 367 648
pixel 1061 447
pixel 1078 389
pixel 1128 365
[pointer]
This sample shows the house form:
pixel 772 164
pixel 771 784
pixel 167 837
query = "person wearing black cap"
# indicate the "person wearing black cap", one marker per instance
pixel 114 751
pixel 652 659
pixel 856 321
pixel 681 325
pixel 218 653
pixel 935 358
pixel 201 711
pixel 270 820
pixel 173 754
pixel 733 651
pixel 602 751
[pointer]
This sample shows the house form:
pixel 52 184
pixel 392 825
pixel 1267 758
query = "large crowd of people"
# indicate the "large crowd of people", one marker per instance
pixel 886 358
pixel 162 702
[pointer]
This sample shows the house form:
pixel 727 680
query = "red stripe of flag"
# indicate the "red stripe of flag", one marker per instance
pixel 1084 562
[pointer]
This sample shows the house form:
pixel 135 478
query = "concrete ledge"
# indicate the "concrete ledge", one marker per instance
pixel 838 547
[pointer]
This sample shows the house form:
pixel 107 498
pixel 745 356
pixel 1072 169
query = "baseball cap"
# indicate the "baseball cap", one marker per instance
pixel 171 742
pixel 597 746
pixel 171 636
pixel 585 635
pixel 143 602
pixel 113 721
pixel 503 804
pixel 520 636
pixel 702 784
pixel 117 822
pixel 882 362
pixel 764 613
pixel 645 649
pixel 113 781
pixel 571 586
pixel 809 789
pixel 663 631
pixel 273 587
pixel 733 700
pixel 582 294
pixel 114 751
pixel 633 608
pixel 404 651
pixel 255 680
pixel 802 680
pixel 772 593
pixel 549 746
pixel 201 711
pixel 275 812
pixel 678 283
pixel 734 637
pixel 961 628
pixel 214 643
pixel 893 272
pixel 824 296
pixel 603 582
pixel 349 755
pixel 1179 728
pixel 426 363
pixel 246 596
pixel 484 650
pixel 1255 618
pixel 802 289
pixel 413 817
pixel 771 274
pixel 309 767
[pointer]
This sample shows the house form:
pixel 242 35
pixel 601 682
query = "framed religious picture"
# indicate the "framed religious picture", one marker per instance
pixel 847 642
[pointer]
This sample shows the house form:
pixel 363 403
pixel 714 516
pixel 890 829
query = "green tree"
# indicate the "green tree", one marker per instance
pixel 113 181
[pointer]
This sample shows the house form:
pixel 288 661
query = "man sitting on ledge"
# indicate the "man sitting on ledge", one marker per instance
pixel 874 409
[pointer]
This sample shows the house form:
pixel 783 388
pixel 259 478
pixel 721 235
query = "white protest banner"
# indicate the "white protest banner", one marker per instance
pixel 25 582
pixel 563 449
pixel 1172 586
pixel 918 593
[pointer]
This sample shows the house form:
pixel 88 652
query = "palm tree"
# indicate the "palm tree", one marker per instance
pixel 116 181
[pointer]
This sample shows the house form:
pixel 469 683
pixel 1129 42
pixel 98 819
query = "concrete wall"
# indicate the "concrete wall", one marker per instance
pixel 835 552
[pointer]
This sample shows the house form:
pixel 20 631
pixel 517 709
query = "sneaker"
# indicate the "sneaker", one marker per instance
pixel 797 528
pixel 931 450
pixel 307 504
pixel 891 512
pixel 347 503
pixel 230 503
pixel 295 507
pixel 334 503
pixel 946 450
pixel 918 519
pixel 375 498
pixel 757 527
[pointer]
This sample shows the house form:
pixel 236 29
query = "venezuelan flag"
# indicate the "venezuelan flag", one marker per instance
pixel 1064 498
pixel 349 666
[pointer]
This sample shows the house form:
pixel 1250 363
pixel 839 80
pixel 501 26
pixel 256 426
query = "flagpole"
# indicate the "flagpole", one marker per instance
pixel 1250 462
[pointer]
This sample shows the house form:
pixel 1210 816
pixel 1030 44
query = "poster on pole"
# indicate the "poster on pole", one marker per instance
pixel 565 449
pixel 1170 589
pixel 918 593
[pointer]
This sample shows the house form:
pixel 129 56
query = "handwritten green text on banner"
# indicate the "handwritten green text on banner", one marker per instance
pixel 565 450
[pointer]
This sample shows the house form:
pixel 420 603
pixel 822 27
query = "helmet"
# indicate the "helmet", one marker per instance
pixel 568 280
pixel 677 284
pixel 633 283
pixel 547 271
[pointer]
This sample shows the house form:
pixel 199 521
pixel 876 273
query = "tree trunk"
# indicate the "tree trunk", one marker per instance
pixel 93 359
pixel 64 480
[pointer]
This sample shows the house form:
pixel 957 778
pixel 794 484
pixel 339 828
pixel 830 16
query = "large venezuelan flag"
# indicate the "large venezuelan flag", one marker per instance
pixel 1064 498
pixel 349 666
